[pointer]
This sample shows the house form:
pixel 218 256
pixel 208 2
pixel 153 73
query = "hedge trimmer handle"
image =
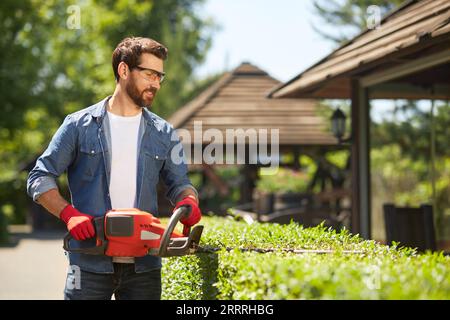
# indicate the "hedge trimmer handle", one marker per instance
pixel 101 242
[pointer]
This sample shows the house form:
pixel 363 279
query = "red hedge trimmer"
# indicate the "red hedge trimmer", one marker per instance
pixel 135 233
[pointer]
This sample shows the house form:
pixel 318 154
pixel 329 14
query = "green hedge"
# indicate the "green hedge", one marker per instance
pixel 380 272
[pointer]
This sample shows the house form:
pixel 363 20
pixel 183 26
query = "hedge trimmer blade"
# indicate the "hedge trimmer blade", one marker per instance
pixel 208 249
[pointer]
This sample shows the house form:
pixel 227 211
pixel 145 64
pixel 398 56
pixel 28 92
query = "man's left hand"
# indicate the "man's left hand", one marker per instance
pixel 195 215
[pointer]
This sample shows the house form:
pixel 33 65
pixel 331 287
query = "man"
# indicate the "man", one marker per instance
pixel 114 152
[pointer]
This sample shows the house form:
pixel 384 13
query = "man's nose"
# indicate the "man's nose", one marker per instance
pixel 155 85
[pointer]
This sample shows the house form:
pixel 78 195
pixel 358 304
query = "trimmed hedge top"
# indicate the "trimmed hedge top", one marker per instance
pixel 379 272
pixel 225 232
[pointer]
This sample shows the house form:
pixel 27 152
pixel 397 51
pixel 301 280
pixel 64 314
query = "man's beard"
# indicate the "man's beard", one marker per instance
pixel 139 97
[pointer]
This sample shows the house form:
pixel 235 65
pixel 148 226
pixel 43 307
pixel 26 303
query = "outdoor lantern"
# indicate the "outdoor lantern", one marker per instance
pixel 338 123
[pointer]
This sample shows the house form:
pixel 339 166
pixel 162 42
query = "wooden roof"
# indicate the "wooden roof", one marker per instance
pixel 238 101
pixel 418 28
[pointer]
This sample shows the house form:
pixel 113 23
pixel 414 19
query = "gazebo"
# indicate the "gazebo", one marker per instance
pixel 238 101
pixel 407 57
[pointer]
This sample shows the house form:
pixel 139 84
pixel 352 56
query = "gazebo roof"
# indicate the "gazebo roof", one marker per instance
pixel 238 101
pixel 419 29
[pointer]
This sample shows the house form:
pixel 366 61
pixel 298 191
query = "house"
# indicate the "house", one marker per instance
pixel 407 57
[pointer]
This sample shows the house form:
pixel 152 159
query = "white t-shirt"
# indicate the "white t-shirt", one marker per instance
pixel 124 141
pixel 124 153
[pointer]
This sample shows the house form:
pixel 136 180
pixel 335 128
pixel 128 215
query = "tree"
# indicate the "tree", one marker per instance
pixel 410 128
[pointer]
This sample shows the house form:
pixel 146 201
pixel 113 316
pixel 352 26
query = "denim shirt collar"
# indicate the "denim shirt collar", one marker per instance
pixel 98 111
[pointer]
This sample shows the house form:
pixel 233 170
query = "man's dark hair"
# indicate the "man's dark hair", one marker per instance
pixel 129 50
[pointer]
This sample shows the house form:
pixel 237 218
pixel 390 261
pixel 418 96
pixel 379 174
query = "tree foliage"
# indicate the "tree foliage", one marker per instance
pixel 410 128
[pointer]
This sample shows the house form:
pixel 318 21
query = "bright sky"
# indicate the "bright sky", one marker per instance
pixel 277 36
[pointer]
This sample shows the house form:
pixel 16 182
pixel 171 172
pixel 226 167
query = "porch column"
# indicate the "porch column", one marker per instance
pixel 360 161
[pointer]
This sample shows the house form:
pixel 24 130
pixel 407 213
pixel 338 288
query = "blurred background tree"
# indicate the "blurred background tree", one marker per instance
pixel 54 61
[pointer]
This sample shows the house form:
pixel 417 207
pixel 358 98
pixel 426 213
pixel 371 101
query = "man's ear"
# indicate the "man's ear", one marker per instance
pixel 123 70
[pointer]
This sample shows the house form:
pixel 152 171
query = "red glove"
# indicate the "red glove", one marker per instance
pixel 195 215
pixel 79 224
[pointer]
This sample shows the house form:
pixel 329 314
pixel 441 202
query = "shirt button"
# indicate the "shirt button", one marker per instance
pixel 92 151
pixel 157 157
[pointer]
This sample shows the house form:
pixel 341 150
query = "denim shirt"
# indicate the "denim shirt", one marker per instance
pixel 82 146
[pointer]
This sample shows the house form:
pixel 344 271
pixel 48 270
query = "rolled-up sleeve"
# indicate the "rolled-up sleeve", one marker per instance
pixel 54 161
pixel 175 172
pixel 41 185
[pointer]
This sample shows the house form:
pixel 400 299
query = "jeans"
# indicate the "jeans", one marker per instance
pixel 124 283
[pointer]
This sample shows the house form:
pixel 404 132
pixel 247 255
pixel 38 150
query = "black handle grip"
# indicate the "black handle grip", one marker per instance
pixel 100 238
pixel 181 212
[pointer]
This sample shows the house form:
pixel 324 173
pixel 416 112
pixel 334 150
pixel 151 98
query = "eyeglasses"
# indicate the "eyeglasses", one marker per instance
pixel 152 75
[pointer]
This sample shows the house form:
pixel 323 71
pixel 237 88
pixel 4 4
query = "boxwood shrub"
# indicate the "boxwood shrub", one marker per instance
pixel 376 271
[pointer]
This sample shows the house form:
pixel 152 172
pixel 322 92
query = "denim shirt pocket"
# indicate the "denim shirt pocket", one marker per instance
pixel 154 162
pixel 91 159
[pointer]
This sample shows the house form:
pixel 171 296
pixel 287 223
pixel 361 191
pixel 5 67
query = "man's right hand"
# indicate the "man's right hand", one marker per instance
pixel 79 224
